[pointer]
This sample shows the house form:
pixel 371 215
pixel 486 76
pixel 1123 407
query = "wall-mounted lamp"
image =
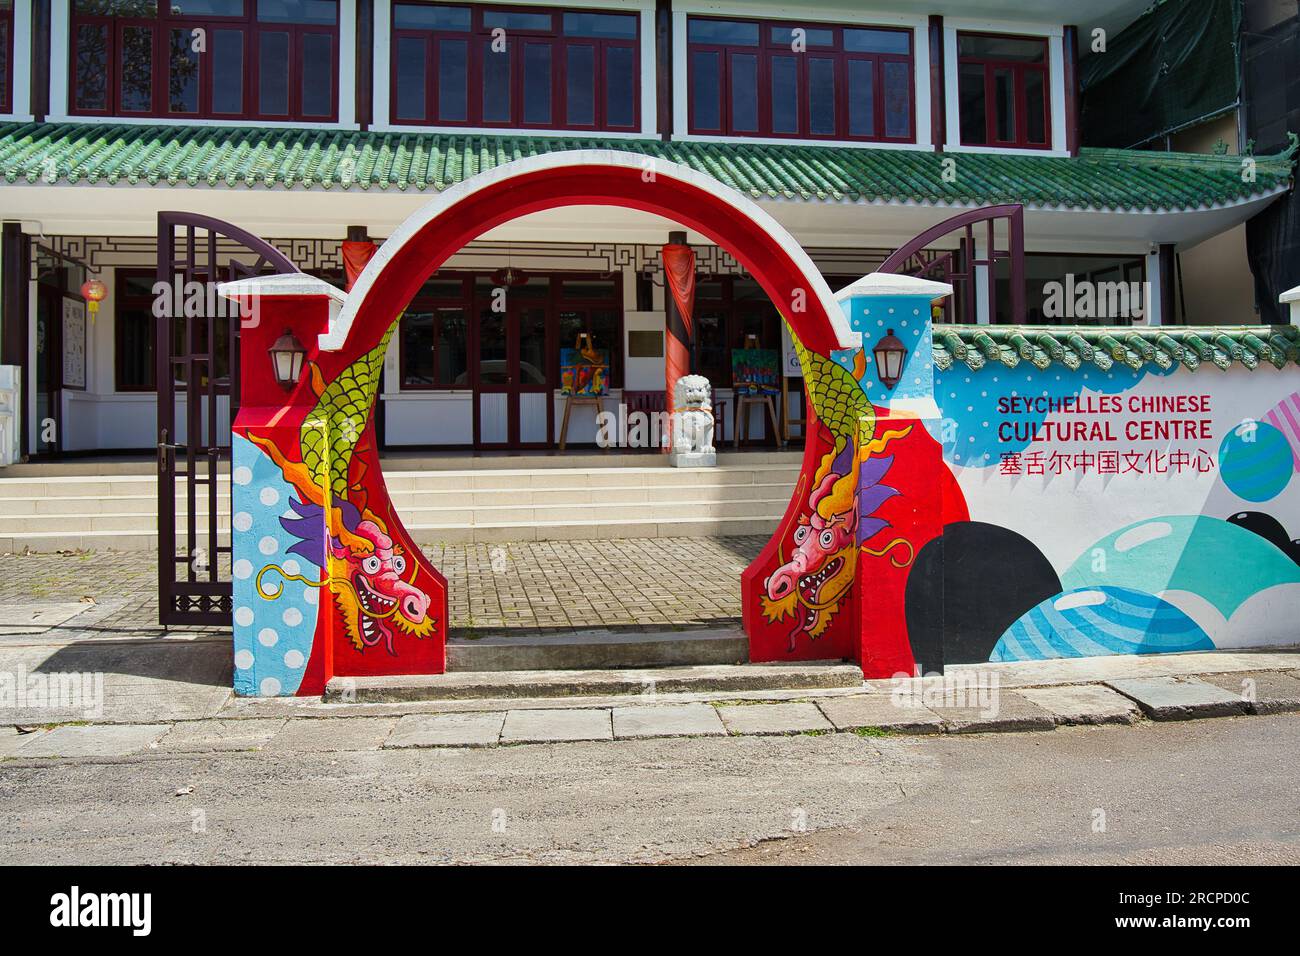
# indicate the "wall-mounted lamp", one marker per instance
pixel 889 353
pixel 287 354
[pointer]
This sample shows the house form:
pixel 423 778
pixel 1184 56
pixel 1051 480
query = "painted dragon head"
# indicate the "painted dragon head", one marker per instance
pixel 841 517
pixel 372 597
pixel 821 567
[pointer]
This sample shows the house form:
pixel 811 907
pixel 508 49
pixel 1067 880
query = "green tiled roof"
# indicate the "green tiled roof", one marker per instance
pixel 1103 346
pixel 425 162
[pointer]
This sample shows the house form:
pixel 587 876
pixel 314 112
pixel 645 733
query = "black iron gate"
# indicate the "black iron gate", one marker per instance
pixel 197 352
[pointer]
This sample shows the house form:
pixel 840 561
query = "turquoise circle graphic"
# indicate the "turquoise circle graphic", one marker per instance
pixel 1255 461
pixel 1215 559
pixel 1092 622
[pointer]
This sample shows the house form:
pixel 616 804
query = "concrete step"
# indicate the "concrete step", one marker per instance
pixel 597 649
pixel 445 516
pixel 458 482
pixel 442 506
pixel 398 460
pixel 498 533
pixel 139 502
pixel 502 685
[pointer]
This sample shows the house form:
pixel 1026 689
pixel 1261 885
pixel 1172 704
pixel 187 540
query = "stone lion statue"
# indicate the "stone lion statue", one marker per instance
pixel 693 415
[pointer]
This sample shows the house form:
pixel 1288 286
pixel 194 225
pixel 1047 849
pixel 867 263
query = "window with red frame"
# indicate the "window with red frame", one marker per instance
pixel 6 56
pixel 1002 89
pixel 211 59
pixel 823 81
pixel 531 67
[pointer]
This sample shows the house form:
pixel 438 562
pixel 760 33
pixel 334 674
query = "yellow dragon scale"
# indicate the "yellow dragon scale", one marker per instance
pixel 344 406
pixel 837 397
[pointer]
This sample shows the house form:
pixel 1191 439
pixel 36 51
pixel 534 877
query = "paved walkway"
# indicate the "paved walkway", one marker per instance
pixel 184 710
pixel 527 588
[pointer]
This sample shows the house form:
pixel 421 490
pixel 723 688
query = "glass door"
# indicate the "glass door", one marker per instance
pixel 496 378
pixel 513 396
pixel 533 397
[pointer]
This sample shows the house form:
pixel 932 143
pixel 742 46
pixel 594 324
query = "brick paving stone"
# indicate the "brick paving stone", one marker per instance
pixel 313 735
pixel 667 720
pixel 534 585
pixel 791 718
pixel 879 711
pixel 547 726
pixel 1180 698
pixel 1007 712
pixel 1265 692
pixel 97 740
pixel 1083 704
pixel 201 735
pixel 447 730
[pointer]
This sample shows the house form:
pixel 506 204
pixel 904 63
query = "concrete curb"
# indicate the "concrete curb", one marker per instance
pixel 862 714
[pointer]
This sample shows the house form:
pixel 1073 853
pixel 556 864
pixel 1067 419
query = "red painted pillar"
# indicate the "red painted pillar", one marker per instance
pixel 327 583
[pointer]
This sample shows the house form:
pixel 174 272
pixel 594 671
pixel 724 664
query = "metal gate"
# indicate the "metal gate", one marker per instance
pixel 197 357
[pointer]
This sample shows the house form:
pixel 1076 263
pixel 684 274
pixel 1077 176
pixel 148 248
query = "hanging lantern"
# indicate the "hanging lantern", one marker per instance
pixel 94 292
pixel 287 354
pixel 509 277
pixel 890 354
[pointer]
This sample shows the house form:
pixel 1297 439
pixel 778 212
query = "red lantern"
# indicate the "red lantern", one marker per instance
pixel 93 291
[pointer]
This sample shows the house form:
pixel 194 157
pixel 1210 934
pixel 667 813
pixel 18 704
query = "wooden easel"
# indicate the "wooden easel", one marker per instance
pixel 571 401
pixel 786 420
pixel 745 402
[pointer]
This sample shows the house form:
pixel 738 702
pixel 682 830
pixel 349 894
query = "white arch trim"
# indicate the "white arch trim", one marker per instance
pixel 341 325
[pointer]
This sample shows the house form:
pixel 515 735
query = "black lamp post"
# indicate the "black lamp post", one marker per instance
pixel 287 354
pixel 890 354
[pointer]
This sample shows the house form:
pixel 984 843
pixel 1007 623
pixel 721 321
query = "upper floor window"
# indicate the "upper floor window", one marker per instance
pixel 759 78
pixel 1002 86
pixel 529 68
pixel 6 56
pixel 217 59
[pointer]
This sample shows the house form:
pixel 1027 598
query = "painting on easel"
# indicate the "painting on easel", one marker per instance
pixel 755 371
pixel 584 369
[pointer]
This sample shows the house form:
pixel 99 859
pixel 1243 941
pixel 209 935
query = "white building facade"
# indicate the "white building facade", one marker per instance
pixel 306 122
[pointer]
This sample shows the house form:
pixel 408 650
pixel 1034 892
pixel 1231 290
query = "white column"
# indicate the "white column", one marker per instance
pixel 1292 298
pixel 1155 305
pixel 22 62
pixel 348 63
pixel 382 52
pixel 680 70
pixel 649 73
pixel 983 307
pixel 59 97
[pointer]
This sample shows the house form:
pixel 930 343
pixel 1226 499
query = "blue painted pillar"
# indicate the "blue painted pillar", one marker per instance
pixel 892 526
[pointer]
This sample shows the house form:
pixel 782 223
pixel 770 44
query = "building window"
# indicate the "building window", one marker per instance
pixel 434 335
pixel 213 59
pixel 6 56
pixel 727 310
pixel 759 78
pixel 135 335
pixel 532 69
pixel 134 331
pixel 1003 91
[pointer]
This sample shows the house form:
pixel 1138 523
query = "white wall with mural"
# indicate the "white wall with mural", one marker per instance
pixel 1141 505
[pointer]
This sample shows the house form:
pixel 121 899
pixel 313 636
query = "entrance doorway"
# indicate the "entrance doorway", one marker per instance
pixel 48 435
pixel 60 355
pixel 498 337
pixel 514 407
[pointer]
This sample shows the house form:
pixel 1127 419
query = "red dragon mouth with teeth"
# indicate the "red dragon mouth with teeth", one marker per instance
pixel 375 602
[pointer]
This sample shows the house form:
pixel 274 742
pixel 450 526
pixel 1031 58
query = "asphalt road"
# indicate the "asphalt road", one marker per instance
pixel 1212 791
